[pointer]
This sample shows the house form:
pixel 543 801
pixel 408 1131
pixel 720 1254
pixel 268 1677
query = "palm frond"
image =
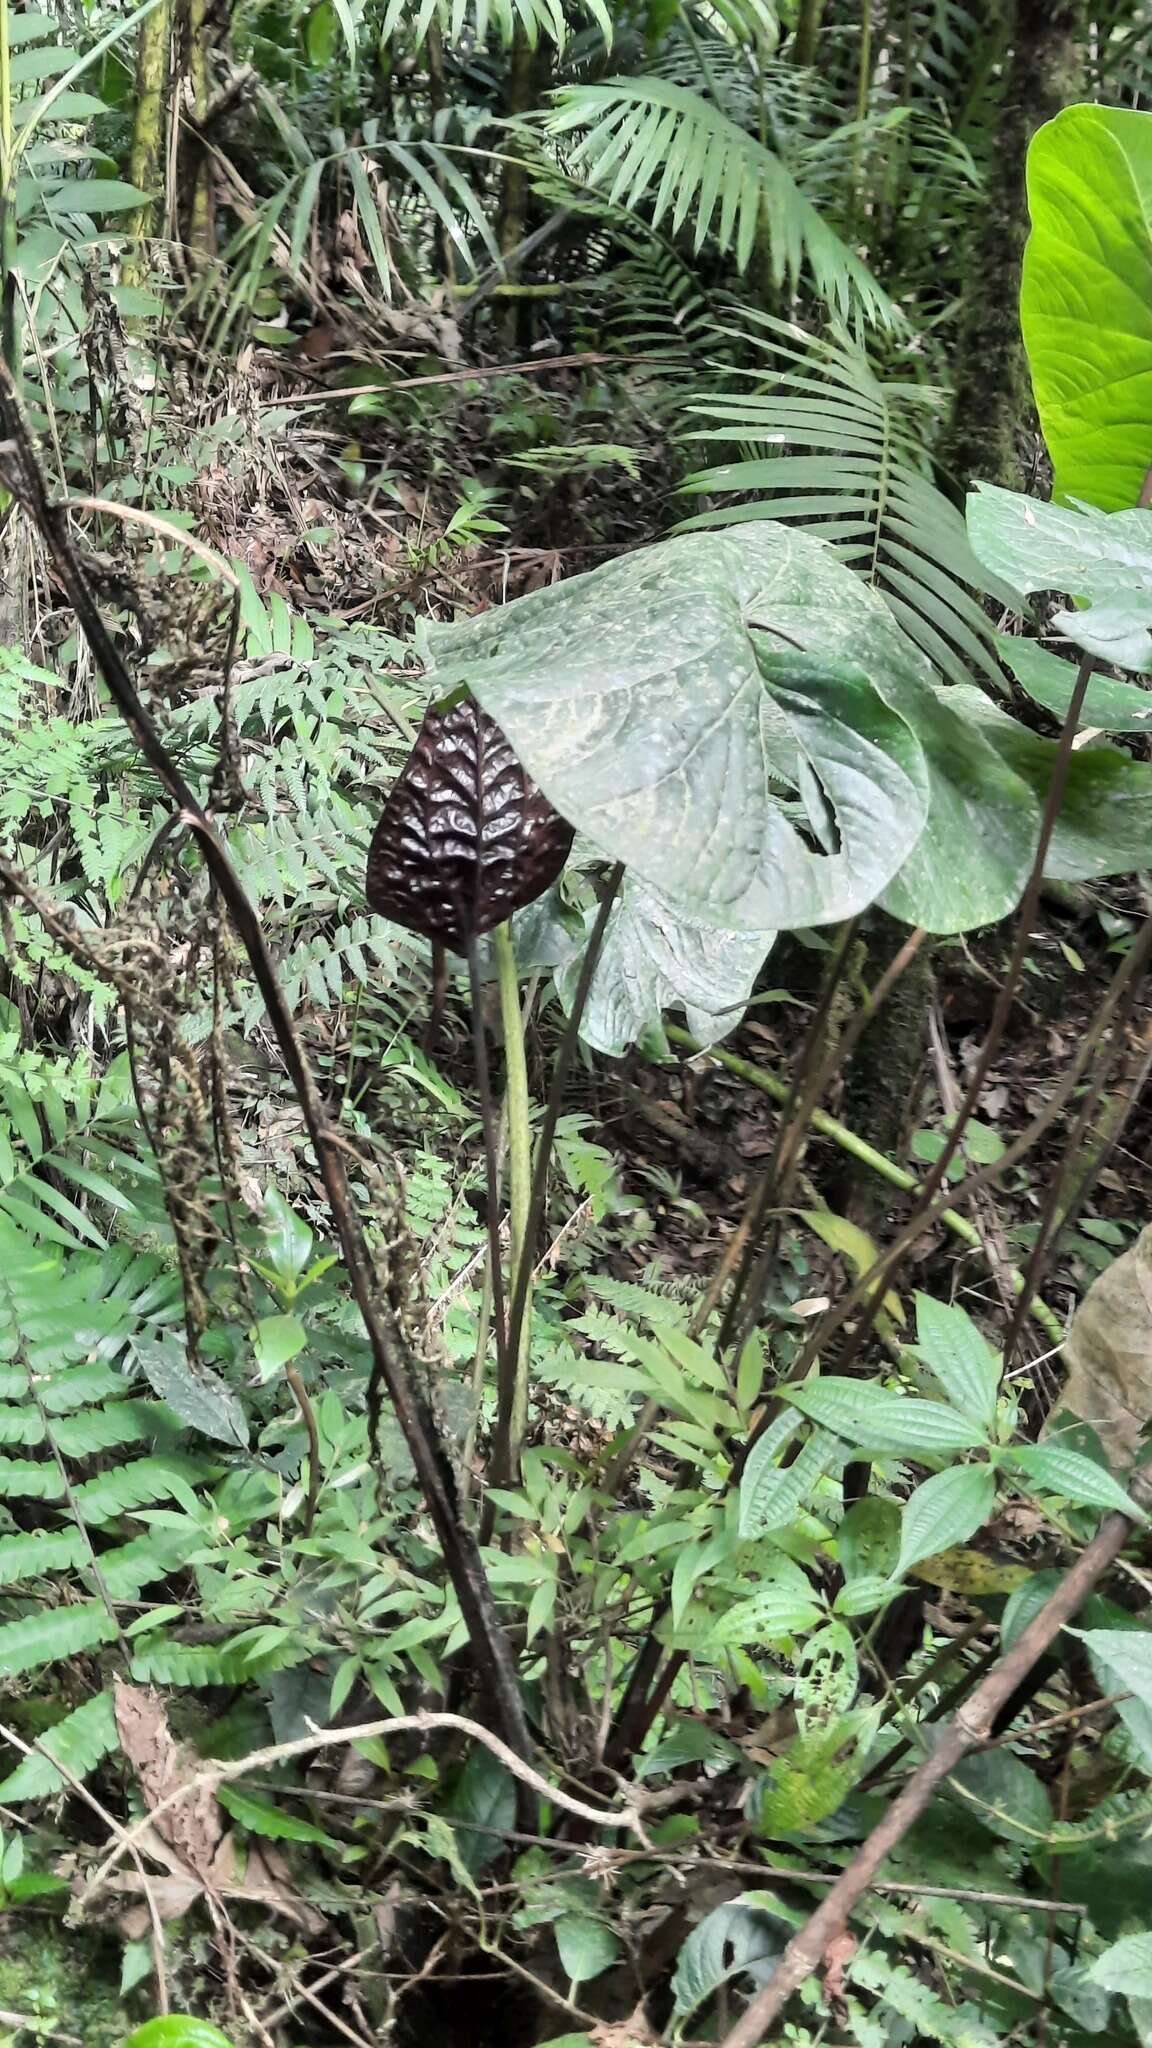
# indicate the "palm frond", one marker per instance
pixel 823 439
pixel 657 145
pixel 482 18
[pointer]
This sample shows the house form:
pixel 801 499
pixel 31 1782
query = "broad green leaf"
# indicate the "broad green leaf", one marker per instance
pixel 1104 558
pixel 287 1238
pixel 1086 300
pixel 1122 1662
pixel 482 1808
pixel 827 1676
pixel 656 958
pixel 1109 705
pixel 959 1357
pixel 635 697
pixel 1105 819
pixel 733 1939
pixel 868 1539
pixel 177 2030
pixel 1025 1603
pixel 945 1511
pixel 276 1341
pixel 880 1424
pixel 193 1392
pixel 1080 1480
pixel 668 687
pixel 93 195
pixel 1004 1795
pixel 587 1947
pixel 1126 1966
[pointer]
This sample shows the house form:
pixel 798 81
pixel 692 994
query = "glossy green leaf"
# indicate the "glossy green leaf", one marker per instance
pixel 176 2030
pixel 1102 558
pixel 946 1510
pixel 1086 300
pixel 1109 705
pixel 879 1423
pixel 959 1357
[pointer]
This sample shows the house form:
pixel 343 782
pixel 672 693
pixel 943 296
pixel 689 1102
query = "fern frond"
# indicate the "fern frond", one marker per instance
pixel 139 1485
pixel 106 1429
pixel 825 440
pixel 47 1637
pixel 80 1741
pixel 199 1664
pixel 649 142
pixel 41 1551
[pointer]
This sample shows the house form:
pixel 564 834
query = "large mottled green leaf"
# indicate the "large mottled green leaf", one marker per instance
pixel 753 793
pixel 1104 558
pixel 740 719
pixel 1109 705
pixel 1105 821
pixel 1086 300
pixel 655 958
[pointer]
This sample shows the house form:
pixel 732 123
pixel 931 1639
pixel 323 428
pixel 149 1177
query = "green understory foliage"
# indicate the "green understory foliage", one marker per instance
pixel 594 365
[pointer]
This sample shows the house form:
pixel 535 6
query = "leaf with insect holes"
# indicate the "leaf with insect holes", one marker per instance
pixel 465 837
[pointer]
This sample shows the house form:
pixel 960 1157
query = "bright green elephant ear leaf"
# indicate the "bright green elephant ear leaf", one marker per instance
pixel 1086 300
pixel 752 797
pixel 177 2031
pixel 1103 558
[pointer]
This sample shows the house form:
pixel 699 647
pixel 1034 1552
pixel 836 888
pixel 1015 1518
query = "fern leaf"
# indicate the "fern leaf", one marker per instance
pixel 20 1426
pixel 198 1664
pixel 138 1485
pixel 83 1387
pixel 826 441
pixel 46 1638
pixel 41 1551
pixel 131 1566
pixel 104 1429
pixel 649 141
pixel 28 1479
pixel 80 1741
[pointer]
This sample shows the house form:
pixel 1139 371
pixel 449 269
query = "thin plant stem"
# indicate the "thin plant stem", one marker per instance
pixel 878 1162
pixel 492 1175
pixel 564 1057
pixel 511 1428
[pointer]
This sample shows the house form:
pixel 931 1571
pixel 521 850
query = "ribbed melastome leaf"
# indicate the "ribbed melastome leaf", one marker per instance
pixel 465 837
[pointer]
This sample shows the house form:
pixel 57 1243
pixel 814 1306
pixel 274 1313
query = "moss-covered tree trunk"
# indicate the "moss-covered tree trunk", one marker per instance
pixel 803 50
pixel 993 396
pixel 149 137
pixel 885 1070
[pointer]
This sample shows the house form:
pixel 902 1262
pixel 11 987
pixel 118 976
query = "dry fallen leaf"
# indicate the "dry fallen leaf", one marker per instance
pixel 1109 1354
